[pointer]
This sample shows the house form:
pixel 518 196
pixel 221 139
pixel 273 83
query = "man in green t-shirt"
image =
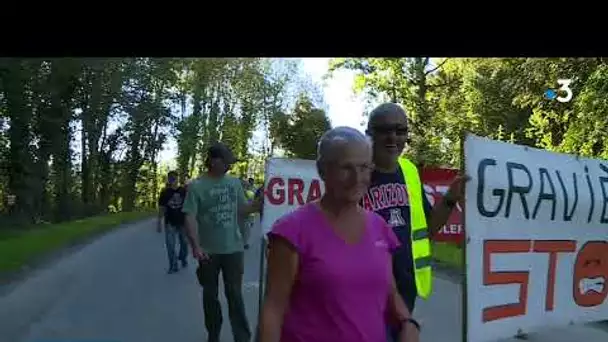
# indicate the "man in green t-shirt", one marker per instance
pixel 215 207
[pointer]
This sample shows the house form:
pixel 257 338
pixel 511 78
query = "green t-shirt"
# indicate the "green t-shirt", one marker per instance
pixel 215 203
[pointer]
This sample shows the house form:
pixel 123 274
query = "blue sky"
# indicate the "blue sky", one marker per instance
pixel 344 108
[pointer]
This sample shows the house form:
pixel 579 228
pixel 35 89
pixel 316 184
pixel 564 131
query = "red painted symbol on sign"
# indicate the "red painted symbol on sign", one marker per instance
pixel 590 281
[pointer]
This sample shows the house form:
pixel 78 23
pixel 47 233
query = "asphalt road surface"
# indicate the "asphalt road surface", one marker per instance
pixel 116 290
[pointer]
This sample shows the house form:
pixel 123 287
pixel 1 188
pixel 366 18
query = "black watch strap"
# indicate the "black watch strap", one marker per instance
pixel 411 321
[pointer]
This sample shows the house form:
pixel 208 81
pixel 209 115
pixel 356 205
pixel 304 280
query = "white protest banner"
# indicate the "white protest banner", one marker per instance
pixel 536 230
pixel 289 183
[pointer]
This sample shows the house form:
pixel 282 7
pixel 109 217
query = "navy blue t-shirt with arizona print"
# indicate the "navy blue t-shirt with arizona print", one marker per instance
pixel 387 196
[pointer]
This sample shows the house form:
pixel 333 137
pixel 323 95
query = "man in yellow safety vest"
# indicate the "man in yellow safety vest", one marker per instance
pixel 396 193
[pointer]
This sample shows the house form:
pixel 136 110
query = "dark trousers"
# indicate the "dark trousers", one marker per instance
pixel 232 267
pixel 173 233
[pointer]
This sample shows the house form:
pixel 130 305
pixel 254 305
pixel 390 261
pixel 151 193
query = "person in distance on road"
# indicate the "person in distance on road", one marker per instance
pixel 187 182
pixel 329 268
pixel 251 184
pixel 405 207
pixel 249 221
pixel 215 206
pixel 171 217
pixel 259 196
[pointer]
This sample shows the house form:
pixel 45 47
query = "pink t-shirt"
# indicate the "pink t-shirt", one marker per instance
pixel 341 290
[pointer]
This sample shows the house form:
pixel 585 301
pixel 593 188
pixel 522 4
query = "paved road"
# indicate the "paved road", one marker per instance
pixel 116 290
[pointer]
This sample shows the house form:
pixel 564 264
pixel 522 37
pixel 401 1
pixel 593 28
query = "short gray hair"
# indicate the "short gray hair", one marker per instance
pixel 334 139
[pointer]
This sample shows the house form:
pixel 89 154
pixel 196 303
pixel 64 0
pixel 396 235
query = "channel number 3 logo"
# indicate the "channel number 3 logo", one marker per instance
pixel 564 89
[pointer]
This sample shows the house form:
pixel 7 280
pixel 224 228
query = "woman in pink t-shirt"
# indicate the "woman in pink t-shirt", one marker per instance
pixel 329 269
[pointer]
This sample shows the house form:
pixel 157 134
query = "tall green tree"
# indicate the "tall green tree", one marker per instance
pixel 501 98
pixel 15 75
pixel 83 136
pixel 408 81
pixel 300 131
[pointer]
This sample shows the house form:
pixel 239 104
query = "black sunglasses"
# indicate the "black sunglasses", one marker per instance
pixel 387 129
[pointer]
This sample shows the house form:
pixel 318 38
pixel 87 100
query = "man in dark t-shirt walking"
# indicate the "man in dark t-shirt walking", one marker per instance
pixel 170 202
pixel 388 196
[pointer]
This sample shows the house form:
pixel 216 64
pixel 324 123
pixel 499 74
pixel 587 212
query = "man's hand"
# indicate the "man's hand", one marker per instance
pixel 456 191
pixel 159 226
pixel 199 254
pixel 409 333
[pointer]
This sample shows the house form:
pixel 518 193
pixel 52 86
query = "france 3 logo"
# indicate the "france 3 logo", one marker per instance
pixel 563 94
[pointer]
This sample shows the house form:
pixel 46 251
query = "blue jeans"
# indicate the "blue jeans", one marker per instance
pixel 173 232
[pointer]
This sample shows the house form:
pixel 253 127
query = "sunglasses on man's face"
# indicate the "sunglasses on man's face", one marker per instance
pixel 388 129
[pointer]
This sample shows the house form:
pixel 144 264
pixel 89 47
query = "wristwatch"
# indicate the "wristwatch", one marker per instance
pixel 411 321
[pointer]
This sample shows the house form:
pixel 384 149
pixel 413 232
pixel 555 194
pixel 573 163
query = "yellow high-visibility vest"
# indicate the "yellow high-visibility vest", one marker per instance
pixel 249 194
pixel 421 245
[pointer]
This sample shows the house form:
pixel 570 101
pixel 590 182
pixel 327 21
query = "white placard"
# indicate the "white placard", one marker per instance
pixel 536 230
pixel 288 184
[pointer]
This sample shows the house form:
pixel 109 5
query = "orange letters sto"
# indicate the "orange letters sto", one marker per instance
pixel 521 277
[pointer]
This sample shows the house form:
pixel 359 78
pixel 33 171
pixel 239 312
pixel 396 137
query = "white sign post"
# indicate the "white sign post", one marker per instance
pixel 536 231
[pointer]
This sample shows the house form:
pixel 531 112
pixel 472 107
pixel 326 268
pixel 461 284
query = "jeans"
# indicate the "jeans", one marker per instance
pixel 392 335
pixel 232 267
pixel 172 233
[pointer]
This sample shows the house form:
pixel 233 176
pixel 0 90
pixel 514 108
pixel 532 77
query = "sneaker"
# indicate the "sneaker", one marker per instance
pixel 172 270
pixel 184 263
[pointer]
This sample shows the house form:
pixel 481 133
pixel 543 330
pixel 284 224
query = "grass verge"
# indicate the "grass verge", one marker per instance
pixel 448 254
pixel 19 248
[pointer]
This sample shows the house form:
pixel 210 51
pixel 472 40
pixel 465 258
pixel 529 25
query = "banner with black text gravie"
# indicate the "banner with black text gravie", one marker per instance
pixel 536 230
